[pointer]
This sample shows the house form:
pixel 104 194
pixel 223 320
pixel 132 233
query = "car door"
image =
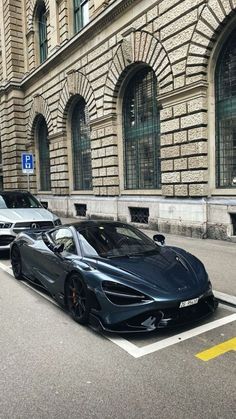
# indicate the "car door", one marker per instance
pixel 53 267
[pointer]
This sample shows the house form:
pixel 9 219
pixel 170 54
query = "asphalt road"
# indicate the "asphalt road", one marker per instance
pixel 52 367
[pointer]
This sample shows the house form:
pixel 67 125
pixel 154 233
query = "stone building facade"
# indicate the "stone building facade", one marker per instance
pixel 129 107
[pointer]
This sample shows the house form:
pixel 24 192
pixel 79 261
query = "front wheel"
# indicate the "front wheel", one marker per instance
pixel 77 299
pixel 16 263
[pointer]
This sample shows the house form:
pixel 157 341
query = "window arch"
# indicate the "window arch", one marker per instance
pixel 41 18
pixel 43 155
pixel 225 88
pixel 141 127
pixel 81 147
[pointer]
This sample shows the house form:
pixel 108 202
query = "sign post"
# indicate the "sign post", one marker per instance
pixel 27 165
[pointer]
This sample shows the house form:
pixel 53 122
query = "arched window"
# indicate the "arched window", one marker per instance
pixel 225 87
pixel 42 28
pixel 81 147
pixel 43 155
pixel 81 14
pixel 141 125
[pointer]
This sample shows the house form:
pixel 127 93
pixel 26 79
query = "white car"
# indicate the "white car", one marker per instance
pixel 19 211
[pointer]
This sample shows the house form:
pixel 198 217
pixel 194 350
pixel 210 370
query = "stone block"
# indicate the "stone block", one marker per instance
pixel 168 152
pixel 167 166
pixel 166 139
pixel 166 113
pixel 181 190
pixel 173 177
pixel 180 109
pixel 199 133
pixel 198 118
pixel 167 190
pixel 171 125
pixel 192 176
pixel 180 164
pixel 198 162
pixel 180 137
pixel 198 190
pixel 194 148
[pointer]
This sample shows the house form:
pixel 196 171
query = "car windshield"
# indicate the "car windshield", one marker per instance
pixel 114 241
pixel 18 200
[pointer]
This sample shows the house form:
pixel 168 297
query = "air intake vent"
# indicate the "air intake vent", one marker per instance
pixel 139 215
pixel 81 210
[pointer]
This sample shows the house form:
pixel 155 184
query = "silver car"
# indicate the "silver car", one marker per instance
pixel 20 210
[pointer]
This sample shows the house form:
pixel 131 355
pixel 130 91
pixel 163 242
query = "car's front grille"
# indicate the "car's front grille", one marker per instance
pixel 6 240
pixel 34 225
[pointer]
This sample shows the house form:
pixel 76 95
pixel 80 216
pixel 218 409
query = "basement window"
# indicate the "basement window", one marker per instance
pixel 139 215
pixel 233 221
pixel 81 210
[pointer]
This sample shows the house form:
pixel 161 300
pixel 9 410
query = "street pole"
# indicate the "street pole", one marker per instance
pixel 28 181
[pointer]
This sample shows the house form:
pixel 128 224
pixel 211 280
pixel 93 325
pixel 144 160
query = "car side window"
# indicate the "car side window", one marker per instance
pixel 65 236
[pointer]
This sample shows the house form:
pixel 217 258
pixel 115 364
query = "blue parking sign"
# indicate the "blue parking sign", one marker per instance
pixel 27 163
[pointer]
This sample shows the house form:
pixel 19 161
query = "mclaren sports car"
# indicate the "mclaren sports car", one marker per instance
pixel 112 276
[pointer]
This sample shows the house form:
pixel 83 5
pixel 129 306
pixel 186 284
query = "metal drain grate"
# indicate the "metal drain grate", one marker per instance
pixel 139 215
pixel 233 220
pixel 81 210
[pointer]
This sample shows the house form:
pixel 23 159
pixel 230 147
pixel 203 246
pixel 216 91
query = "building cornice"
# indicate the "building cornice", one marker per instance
pixel 106 16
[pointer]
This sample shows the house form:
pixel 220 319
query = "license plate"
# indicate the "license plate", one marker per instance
pixel 188 303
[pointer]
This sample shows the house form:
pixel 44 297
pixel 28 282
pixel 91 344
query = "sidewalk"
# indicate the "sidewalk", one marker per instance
pixel 219 258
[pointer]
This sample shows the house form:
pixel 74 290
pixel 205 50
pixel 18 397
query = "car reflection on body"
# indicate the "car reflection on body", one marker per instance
pixel 20 210
pixel 114 277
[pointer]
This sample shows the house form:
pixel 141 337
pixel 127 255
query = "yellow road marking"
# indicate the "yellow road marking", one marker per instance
pixel 222 348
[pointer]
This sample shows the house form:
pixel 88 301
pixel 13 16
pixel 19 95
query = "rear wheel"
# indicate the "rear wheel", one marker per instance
pixel 16 263
pixel 77 299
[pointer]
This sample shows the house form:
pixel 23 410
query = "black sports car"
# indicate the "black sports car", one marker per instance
pixel 114 277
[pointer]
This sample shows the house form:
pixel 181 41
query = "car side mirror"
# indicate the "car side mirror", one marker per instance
pixel 44 204
pixel 159 238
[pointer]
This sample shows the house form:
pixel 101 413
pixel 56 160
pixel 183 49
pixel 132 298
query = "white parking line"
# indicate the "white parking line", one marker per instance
pixel 231 299
pixel 138 352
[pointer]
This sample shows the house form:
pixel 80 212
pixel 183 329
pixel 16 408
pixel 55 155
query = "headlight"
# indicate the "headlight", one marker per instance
pixel 57 222
pixel 121 295
pixel 5 225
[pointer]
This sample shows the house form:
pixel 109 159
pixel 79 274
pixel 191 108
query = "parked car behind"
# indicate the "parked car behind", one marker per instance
pixel 19 211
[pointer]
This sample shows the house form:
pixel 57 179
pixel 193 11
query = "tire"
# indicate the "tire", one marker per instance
pixel 77 299
pixel 16 263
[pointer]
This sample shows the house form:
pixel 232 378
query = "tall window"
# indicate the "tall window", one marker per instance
pixel 81 14
pixel 43 154
pixel 226 114
pixel 81 148
pixel 42 26
pixel 141 125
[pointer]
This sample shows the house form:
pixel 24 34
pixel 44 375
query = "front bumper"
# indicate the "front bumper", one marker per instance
pixel 162 318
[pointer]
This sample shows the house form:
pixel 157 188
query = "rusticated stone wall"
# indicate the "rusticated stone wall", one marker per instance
pixel 176 38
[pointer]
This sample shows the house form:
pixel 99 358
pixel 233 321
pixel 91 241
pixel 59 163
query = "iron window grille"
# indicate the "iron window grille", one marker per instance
pixel 141 127
pixel 43 41
pixel 81 14
pixel 139 215
pixel 44 156
pixel 233 221
pixel 226 115
pixel 81 148
pixel 81 210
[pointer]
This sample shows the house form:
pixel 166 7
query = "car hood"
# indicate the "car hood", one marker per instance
pixel 25 214
pixel 169 271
